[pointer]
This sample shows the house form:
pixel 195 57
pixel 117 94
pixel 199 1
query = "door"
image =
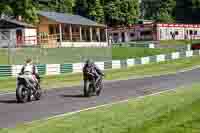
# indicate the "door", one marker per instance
pixel 19 37
pixel 123 37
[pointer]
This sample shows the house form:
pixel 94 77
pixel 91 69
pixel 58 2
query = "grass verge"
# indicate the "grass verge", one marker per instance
pixel 8 84
pixel 71 55
pixel 134 52
pixel 178 42
pixel 171 112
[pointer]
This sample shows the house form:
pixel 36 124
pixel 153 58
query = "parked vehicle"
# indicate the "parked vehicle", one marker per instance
pixel 195 46
pixel 27 89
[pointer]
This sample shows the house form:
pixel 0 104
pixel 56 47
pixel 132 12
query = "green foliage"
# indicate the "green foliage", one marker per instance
pixel 187 11
pixel 5 9
pixel 112 12
pixel 96 11
pixel 164 16
pixel 64 6
pixel 122 12
pixel 81 7
pixel 160 10
pixel 182 11
pixel 26 9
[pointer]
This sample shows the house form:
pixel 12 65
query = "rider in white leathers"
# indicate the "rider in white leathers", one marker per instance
pixel 30 71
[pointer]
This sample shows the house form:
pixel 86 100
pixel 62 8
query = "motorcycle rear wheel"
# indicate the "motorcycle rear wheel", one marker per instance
pixel 100 87
pixel 38 93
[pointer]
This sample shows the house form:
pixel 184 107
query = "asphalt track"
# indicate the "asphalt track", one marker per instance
pixel 63 100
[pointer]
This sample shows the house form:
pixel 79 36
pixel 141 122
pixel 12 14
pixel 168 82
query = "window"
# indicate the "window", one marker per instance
pixel 191 32
pixel 115 34
pixel 195 32
pixel 51 29
pixel 132 34
pixel 5 35
pixel 77 29
pixel 66 29
pixel 145 33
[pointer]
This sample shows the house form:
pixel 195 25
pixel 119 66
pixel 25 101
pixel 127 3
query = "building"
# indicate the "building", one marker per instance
pixel 67 30
pixel 16 33
pixel 154 32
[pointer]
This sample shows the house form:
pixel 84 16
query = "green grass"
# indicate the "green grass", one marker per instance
pixel 172 112
pixel 54 55
pixel 71 55
pixel 131 52
pixel 48 82
pixel 178 42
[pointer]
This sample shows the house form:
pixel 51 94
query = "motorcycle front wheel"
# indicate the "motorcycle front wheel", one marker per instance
pixel 23 94
pixel 88 89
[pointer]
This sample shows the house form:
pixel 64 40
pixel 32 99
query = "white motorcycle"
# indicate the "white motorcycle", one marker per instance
pixel 27 88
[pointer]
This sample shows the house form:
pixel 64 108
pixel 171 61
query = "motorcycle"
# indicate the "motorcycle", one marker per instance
pixel 91 87
pixel 26 89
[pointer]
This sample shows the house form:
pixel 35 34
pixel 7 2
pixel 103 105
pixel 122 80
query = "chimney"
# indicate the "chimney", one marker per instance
pixel 19 18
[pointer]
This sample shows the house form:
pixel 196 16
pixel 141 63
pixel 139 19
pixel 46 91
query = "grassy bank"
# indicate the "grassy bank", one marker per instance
pixel 133 52
pixel 178 42
pixel 171 112
pixel 48 82
pixel 71 55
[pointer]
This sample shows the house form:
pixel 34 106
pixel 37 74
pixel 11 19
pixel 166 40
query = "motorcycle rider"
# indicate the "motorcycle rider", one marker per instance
pixel 92 69
pixel 31 71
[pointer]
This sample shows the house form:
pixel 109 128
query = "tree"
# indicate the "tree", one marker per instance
pixel 5 9
pixel 187 11
pixel 81 7
pixel 96 11
pixel 26 9
pixel 64 6
pixel 159 10
pixel 121 12
pixel 164 17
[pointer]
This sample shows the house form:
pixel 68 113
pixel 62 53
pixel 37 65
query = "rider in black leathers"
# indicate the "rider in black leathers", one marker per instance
pixel 92 69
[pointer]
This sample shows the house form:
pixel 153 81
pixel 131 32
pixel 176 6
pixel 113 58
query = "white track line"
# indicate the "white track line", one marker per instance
pixel 100 106
pixel 139 77
pixel 9 93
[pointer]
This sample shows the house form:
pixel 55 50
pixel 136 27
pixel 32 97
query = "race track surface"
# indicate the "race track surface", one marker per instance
pixel 59 101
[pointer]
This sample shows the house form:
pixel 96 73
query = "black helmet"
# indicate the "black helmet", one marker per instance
pixel 89 62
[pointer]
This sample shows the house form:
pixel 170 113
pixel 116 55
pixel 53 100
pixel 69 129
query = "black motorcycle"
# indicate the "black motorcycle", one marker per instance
pixel 27 89
pixel 91 87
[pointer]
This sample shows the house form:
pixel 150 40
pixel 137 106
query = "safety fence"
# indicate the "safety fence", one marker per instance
pixel 154 45
pixel 56 69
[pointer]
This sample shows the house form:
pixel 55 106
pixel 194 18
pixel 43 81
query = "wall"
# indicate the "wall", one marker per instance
pixel 84 44
pixel 159 32
pixel 30 36
pixel 43 25
pixel 4 41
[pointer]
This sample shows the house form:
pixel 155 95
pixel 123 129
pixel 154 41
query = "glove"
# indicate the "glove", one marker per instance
pixel 103 74
pixel 20 73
